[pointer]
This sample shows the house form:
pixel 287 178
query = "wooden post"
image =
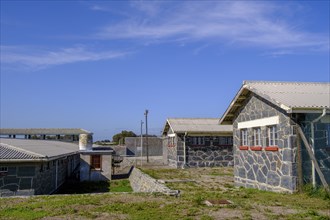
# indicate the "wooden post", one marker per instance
pixel 312 156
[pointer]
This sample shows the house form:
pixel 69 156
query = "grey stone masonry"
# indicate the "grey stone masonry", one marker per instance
pixel 141 182
pixel 36 178
pixel 209 154
pixel 171 152
pixel 265 168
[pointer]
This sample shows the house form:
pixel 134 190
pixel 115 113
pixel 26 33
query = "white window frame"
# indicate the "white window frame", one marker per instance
pixel 257 136
pixel 271 133
pixel 244 137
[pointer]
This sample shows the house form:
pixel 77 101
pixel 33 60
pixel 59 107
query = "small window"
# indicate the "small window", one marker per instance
pixel 3 169
pixel 96 162
pixel 215 141
pixel 272 136
pixel 172 141
pixel 198 141
pixel 257 137
pixel 244 137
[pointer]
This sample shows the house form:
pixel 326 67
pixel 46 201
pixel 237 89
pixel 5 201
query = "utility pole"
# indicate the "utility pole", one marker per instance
pixel 141 142
pixel 146 114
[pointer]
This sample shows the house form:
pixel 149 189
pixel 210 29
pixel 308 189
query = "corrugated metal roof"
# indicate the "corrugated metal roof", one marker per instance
pixel 290 96
pixel 293 94
pixel 20 148
pixel 197 125
pixel 8 152
pixel 43 131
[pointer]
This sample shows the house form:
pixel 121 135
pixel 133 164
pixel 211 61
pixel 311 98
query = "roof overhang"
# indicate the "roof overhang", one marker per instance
pixel 229 115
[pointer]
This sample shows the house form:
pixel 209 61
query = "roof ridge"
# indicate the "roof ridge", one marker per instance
pixel 246 82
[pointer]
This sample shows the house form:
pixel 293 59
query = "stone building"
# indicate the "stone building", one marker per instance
pixel 197 142
pixel 39 161
pixel 34 167
pixel 270 122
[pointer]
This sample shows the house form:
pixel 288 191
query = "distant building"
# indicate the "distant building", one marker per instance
pixel 197 142
pixel 40 166
pixel 269 153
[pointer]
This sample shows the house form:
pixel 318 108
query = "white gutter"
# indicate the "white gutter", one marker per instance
pixel 313 146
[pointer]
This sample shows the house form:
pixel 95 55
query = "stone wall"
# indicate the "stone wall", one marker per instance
pixel 36 178
pixel 141 182
pixel 171 152
pixel 197 156
pixel 263 169
pixel 210 156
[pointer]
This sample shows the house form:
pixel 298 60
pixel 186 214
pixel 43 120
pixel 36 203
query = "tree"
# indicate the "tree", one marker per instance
pixel 120 137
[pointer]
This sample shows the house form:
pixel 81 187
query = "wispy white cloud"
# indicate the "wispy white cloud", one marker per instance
pixel 241 23
pixel 33 59
pixel 98 8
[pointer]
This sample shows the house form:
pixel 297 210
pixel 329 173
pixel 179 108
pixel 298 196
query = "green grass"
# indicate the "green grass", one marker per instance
pixel 247 203
pixel 120 186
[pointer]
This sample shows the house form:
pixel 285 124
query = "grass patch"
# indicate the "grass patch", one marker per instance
pixel 120 186
pixel 209 183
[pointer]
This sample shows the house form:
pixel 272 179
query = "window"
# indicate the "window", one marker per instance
pixel 271 136
pixel 244 137
pixel 226 140
pixel 96 162
pixel 198 141
pixel 257 137
pixel 3 169
pixel 172 141
pixel 215 141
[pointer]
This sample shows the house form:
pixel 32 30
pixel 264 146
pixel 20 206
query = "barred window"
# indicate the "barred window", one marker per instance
pixel 198 141
pixel 256 136
pixel 226 140
pixel 272 135
pixel 244 137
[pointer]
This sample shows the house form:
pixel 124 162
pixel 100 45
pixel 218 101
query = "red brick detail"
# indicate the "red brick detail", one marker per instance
pixel 272 148
pixel 256 148
pixel 243 147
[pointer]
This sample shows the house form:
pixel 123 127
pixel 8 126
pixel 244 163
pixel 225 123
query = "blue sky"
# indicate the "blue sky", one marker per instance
pixel 98 65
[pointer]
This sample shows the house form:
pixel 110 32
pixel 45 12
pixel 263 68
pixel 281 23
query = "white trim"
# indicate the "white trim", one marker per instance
pixel 259 122
pixel 171 135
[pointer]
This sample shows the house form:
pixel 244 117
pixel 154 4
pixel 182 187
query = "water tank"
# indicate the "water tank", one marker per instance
pixel 85 142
